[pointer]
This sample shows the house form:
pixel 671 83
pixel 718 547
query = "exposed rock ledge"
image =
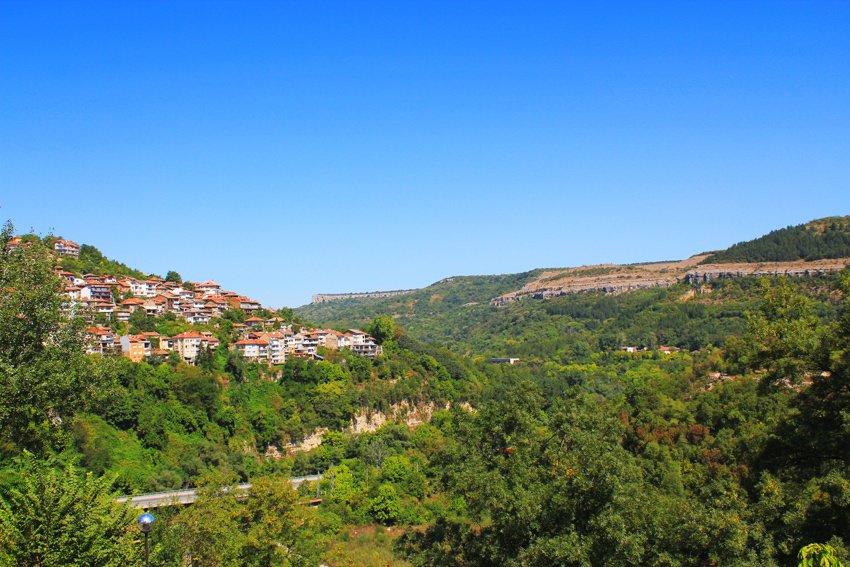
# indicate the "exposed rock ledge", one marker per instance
pixel 365 421
pixel 619 279
pixel 323 297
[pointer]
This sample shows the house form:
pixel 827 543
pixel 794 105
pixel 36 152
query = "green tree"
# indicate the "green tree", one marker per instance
pixel 278 530
pixel 383 328
pixel 385 507
pixel 818 555
pixel 60 517
pixel 783 333
pixel 174 277
pixel 209 531
pixel 809 453
pixel 45 376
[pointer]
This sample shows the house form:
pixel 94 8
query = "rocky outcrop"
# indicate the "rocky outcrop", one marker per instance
pixel 323 297
pixel 409 414
pixel 615 279
pixel 365 421
pixel 606 287
pixel 711 272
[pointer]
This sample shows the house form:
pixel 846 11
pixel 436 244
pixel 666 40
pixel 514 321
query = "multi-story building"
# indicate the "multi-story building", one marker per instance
pixel 66 248
pixel 188 344
pixel 253 349
pixel 135 347
pixel 142 288
pixel 277 346
pixel 96 290
pixel 100 339
pixel 208 288
pixel 196 317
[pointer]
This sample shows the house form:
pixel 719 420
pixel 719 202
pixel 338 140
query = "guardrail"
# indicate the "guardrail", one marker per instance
pixel 188 495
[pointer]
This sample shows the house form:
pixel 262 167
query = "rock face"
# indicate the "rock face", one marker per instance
pixel 709 272
pixel 323 297
pixel 366 421
pixel 619 279
pixel 607 278
pixel 411 415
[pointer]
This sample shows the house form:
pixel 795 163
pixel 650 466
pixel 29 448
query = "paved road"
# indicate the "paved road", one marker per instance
pixel 175 497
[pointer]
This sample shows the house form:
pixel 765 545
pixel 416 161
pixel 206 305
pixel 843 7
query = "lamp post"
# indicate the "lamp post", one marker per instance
pixel 145 524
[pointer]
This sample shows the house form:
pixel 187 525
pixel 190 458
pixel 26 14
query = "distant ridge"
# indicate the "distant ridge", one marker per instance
pixel 808 250
pixel 324 297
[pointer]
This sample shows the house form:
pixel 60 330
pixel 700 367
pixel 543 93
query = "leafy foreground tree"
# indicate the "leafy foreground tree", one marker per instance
pixel 61 517
pixel 266 527
pixel 818 555
pixel 45 376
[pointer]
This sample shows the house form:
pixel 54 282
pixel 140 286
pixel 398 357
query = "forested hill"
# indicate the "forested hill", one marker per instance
pixel 438 299
pixel 457 313
pixel 823 238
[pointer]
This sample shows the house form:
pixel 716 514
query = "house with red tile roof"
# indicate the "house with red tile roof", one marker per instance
pixel 100 340
pixel 14 243
pixel 255 322
pixel 132 304
pixel 277 346
pixel 66 248
pixel 208 288
pixel 254 349
pixel 188 344
pixel 135 347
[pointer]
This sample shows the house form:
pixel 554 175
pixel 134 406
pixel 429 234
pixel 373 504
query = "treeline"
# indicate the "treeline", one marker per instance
pixel 826 238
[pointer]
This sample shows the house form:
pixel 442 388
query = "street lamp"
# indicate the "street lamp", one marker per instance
pixel 145 524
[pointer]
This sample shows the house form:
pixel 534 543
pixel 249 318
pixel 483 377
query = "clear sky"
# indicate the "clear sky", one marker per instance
pixel 289 148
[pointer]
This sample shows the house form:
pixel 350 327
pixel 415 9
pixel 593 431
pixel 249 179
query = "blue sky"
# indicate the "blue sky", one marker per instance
pixel 289 148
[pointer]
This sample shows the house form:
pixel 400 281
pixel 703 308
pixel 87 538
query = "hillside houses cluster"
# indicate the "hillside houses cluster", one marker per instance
pixel 273 347
pixel 268 341
pixel 258 342
pixel 156 297
pixel 116 298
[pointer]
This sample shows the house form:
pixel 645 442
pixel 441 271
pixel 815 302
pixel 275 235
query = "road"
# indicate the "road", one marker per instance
pixel 187 496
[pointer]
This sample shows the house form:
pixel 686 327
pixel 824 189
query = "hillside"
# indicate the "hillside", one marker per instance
pixel 819 239
pixel 486 315
pixel 85 259
pixel 92 261
pixel 447 295
pixel 620 410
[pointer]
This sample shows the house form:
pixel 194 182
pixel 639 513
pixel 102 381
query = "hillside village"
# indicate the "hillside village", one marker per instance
pixel 109 302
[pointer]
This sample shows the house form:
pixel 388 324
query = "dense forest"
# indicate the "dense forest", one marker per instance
pixel 597 448
pixel 825 238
